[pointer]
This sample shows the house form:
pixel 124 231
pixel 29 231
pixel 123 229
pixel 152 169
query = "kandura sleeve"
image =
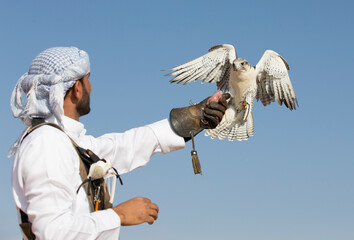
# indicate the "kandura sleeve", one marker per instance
pixel 49 169
pixel 134 148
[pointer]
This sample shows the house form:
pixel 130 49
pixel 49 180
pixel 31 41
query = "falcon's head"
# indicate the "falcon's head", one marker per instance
pixel 241 64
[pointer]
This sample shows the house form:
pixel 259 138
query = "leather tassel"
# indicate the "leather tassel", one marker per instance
pixel 195 159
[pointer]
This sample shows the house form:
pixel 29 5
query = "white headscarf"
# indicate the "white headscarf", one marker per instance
pixel 50 75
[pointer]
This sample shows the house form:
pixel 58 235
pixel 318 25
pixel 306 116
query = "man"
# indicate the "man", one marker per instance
pixel 46 171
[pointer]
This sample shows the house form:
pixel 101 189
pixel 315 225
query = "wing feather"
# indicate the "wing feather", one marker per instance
pixel 211 76
pixel 274 82
pixel 223 84
pixel 211 67
pixel 194 76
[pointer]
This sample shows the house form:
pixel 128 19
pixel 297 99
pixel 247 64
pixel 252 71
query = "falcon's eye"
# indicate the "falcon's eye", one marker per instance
pixel 242 63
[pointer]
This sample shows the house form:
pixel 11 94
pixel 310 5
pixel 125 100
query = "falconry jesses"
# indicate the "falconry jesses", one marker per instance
pixel 267 81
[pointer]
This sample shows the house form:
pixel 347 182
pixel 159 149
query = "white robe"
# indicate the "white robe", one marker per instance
pixel 46 175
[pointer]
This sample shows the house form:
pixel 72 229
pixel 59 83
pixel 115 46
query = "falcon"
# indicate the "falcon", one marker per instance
pixel 267 81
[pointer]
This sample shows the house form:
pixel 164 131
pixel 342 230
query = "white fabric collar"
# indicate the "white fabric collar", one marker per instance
pixel 73 128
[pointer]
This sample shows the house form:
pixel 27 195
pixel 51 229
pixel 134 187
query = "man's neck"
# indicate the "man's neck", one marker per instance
pixel 72 116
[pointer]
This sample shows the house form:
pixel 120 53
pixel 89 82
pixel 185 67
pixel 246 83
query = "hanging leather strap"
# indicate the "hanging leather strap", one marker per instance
pixel 26 226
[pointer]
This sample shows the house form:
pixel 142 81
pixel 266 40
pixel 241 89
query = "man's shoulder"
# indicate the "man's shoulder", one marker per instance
pixel 47 133
pixel 47 150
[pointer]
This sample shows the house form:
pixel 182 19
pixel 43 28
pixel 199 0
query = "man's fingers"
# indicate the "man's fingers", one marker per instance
pixel 212 120
pixel 153 213
pixel 217 106
pixel 155 207
pixel 223 99
pixel 154 210
pixel 151 220
pixel 215 113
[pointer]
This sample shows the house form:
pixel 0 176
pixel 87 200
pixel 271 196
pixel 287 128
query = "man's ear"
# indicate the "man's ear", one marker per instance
pixel 77 90
pixel 74 93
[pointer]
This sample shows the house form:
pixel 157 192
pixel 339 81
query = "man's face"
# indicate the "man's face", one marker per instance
pixel 83 106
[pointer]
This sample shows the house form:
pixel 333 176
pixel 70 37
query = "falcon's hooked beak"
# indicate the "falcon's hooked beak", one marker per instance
pixel 236 66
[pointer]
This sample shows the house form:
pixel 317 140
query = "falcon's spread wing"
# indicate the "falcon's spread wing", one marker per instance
pixel 211 67
pixel 273 81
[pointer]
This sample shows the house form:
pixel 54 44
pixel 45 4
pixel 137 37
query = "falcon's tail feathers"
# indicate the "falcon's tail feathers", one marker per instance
pixel 242 130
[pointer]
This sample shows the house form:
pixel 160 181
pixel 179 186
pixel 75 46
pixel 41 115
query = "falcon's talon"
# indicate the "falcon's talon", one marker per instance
pixel 244 105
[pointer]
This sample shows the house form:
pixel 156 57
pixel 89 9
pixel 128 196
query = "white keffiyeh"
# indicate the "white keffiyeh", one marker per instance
pixel 51 74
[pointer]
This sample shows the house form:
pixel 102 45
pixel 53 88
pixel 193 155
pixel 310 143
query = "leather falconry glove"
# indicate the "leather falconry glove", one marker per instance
pixel 189 121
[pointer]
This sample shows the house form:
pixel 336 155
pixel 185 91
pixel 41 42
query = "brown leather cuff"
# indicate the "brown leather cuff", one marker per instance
pixel 186 120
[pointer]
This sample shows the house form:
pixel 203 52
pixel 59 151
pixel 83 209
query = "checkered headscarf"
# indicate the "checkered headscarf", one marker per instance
pixel 51 74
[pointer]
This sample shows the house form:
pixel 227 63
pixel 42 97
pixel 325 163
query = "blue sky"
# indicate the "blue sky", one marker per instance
pixel 293 180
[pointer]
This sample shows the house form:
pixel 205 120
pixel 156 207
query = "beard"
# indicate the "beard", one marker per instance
pixel 83 106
